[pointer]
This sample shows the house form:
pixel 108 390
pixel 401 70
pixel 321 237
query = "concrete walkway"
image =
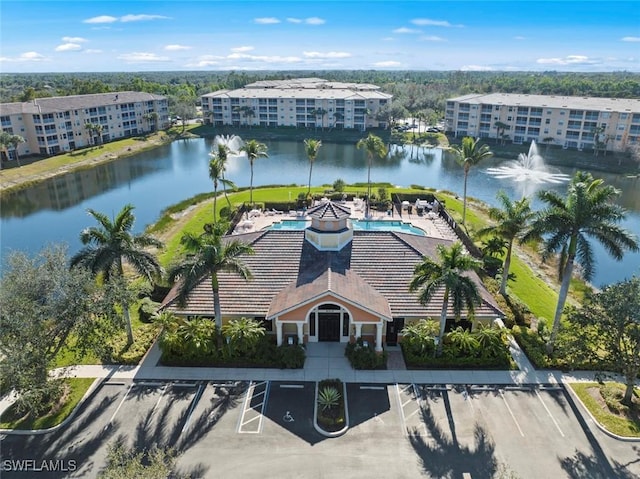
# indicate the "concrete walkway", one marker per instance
pixel 327 360
pixel 324 360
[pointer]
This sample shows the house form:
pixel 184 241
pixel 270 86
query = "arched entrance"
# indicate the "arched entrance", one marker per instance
pixel 331 322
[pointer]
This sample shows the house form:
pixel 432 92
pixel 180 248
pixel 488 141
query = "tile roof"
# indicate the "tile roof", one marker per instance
pixel 283 260
pixel 551 101
pixel 76 102
pixel 329 211
pixel 343 284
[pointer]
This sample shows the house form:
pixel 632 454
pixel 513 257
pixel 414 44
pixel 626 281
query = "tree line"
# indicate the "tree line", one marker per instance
pixel 415 90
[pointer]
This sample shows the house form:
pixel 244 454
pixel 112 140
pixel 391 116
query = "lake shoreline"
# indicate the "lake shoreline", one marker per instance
pixel 15 183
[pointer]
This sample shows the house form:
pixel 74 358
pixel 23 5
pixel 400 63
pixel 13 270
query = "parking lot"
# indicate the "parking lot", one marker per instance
pixel 401 430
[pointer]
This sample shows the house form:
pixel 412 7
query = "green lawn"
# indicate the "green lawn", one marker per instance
pixel 611 422
pixel 77 389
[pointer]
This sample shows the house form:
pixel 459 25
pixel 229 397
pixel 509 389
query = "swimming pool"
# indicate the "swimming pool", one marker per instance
pixel 358 225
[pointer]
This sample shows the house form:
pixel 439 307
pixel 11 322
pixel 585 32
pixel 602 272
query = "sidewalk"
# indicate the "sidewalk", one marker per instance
pixel 324 360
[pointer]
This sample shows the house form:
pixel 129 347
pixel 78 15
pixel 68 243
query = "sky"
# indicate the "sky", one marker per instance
pixel 507 35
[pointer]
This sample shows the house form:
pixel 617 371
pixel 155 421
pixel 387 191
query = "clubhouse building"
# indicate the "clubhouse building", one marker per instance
pixel 328 282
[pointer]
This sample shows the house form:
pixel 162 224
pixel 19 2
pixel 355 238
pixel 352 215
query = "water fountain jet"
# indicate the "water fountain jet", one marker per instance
pixel 530 170
pixel 232 142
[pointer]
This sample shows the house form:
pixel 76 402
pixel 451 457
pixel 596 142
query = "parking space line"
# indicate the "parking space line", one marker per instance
pixel 195 400
pixel 119 405
pixel 160 398
pixel 401 405
pixel 510 412
pixel 549 413
pixel 247 406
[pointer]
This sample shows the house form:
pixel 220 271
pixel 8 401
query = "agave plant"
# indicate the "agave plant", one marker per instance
pixel 328 398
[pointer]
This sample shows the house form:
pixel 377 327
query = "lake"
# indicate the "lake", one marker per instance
pixel 55 210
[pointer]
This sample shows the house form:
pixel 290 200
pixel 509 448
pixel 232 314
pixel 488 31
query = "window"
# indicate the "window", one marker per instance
pixel 345 324
pixel 312 324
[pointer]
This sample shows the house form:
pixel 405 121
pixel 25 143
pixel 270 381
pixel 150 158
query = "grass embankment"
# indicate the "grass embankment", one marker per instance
pixel 613 416
pixel 35 169
pixel 530 287
pixel 74 391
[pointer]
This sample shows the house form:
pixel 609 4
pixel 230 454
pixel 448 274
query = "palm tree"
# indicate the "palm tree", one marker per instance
pixel 311 146
pixel 469 154
pixel 207 255
pixel 110 245
pixel 566 225
pixel 249 113
pixel 320 112
pixel 431 276
pixel 217 167
pixel 15 141
pixel 512 220
pixel 97 128
pixel 90 127
pixel 151 118
pixel 243 334
pixel 375 148
pixel 501 127
pixel 338 116
pixel 254 150
pixel 5 139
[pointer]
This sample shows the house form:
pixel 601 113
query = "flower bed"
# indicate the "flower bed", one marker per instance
pixel 331 418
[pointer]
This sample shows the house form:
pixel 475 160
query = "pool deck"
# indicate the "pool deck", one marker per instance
pixel 433 227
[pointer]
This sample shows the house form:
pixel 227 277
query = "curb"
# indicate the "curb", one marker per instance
pixel 576 398
pixel 28 432
pixel 346 414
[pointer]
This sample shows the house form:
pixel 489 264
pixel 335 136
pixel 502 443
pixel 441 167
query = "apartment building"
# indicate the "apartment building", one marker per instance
pixel 611 124
pixel 59 124
pixel 299 102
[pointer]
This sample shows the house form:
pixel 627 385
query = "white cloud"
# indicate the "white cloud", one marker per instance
pixel 74 40
pixel 142 57
pixel 141 18
pixel 242 49
pixel 327 54
pixel 91 51
pixel 432 38
pixel 176 48
pixel 476 68
pixel 519 37
pixel 266 20
pixel 432 23
pixel 568 60
pixel 387 64
pixel 315 21
pixel 630 39
pixel 264 58
pixel 26 57
pixel 68 47
pixel 403 30
pixel 124 18
pixel 101 19
pixel 205 61
pixel 308 21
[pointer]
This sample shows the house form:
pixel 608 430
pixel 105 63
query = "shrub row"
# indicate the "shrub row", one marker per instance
pixel 365 357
